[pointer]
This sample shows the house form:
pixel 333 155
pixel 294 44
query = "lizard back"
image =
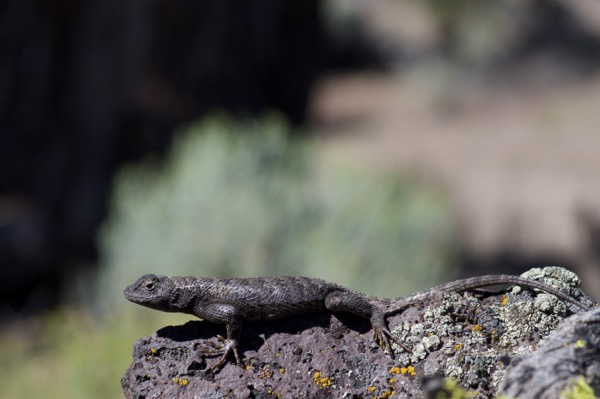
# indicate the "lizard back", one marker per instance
pixel 261 298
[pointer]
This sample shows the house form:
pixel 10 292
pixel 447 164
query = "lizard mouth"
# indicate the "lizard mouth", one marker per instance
pixel 145 300
pixel 133 296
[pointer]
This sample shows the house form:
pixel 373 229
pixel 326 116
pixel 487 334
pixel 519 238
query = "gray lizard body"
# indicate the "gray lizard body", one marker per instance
pixel 232 301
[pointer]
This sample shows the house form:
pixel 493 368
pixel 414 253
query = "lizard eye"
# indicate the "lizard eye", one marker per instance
pixel 149 285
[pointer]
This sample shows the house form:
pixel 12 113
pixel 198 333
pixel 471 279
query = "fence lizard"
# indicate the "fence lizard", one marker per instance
pixel 234 300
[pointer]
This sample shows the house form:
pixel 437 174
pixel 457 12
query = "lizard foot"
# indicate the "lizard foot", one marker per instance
pixel 383 337
pixel 229 346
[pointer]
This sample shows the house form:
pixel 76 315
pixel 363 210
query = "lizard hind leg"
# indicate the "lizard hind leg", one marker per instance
pixel 348 301
pixel 228 315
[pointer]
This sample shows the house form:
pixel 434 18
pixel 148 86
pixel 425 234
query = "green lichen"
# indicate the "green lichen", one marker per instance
pixel 451 390
pixel 578 390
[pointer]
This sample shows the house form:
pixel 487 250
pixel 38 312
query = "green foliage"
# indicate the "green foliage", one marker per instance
pixel 67 354
pixel 230 199
pixel 245 200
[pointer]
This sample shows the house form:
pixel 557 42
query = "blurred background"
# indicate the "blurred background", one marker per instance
pixel 387 145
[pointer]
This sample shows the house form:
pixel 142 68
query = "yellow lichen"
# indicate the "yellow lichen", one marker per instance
pixel 153 352
pixel 387 394
pixel 476 328
pixel 403 370
pixel 323 382
pixel 504 300
pixel 282 370
pixel 580 344
pixel 458 346
pixel 371 389
pixel 181 381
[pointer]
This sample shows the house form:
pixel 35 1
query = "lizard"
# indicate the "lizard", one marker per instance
pixel 231 301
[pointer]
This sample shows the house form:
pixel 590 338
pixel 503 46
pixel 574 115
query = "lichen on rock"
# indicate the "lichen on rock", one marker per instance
pixel 470 337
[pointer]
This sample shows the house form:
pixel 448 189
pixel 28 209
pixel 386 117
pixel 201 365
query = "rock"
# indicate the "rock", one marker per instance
pixel 569 353
pixel 469 337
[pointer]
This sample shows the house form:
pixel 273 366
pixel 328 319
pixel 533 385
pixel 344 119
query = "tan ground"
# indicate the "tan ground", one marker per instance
pixel 522 165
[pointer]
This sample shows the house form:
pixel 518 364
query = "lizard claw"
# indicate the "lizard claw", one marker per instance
pixel 229 345
pixel 383 337
pixel 215 349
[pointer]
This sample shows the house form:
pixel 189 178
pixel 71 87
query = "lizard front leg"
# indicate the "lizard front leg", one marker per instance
pixel 348 301
pixel 228 315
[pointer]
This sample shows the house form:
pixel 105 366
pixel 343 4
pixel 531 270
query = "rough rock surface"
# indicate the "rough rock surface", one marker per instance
pixel 469 337
pixel 569 353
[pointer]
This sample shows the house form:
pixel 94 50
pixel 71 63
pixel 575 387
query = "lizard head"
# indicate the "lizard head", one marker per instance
pixel 152 291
